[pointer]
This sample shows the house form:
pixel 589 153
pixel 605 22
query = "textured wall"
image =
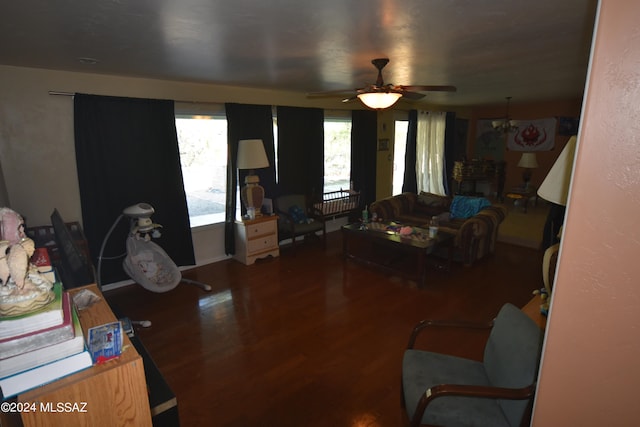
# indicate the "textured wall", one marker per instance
pixel 589 373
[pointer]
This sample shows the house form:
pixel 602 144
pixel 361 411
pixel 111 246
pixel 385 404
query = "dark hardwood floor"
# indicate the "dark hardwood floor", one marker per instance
pixel 309 339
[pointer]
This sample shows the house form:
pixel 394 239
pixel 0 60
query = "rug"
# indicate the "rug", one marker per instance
pixel 524 229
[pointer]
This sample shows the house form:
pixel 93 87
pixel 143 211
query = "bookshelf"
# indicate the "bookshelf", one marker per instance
pixel 115 392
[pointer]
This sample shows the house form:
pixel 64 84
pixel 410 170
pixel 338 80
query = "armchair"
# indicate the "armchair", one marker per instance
pixel 439 389
pixel 297 217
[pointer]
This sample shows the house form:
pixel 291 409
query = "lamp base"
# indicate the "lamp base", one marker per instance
pixel 526 177
pixel 252 194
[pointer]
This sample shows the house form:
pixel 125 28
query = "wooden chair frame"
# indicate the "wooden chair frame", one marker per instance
pixel 442 390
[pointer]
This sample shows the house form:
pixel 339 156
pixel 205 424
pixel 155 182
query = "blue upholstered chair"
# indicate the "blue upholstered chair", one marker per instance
pixel 450 391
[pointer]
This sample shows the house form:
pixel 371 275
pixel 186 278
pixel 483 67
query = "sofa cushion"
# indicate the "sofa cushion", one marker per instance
pixel 430 204
pixel 466 207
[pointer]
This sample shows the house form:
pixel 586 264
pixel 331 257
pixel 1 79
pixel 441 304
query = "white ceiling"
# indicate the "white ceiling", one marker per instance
pixel 528 49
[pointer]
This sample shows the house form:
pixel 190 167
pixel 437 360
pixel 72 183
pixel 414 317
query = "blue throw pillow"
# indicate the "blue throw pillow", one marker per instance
pixel 298 215
pixel 465 207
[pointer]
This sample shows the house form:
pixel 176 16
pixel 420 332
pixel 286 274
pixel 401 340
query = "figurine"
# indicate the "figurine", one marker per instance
pixel 18 262
pixel 4 266
pixel 23 288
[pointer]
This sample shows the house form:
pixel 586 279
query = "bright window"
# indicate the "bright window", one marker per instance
pixel 337 154
pixel 202 140
pixel 399 149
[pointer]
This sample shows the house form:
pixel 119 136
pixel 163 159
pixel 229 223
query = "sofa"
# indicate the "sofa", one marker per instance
pixel 473 220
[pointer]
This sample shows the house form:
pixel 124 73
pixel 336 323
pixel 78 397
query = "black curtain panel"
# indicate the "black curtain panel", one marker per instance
pixel 300 151
pixel 410 181
pixel 126 153
pixel 246 122
pixel 364 141
pixel 450 135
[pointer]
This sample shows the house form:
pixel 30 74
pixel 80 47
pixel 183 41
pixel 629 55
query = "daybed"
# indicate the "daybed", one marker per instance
pixel 473 220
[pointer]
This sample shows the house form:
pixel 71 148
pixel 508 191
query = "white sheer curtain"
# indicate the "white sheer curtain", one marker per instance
pixel 430 151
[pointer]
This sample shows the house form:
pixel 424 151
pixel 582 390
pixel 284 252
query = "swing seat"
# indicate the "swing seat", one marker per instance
pixel 150 266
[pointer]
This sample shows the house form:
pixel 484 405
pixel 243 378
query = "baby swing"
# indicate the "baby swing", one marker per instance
pixel 145 261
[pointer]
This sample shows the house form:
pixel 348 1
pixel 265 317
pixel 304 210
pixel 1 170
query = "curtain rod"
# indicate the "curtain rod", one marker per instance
pixel 61 93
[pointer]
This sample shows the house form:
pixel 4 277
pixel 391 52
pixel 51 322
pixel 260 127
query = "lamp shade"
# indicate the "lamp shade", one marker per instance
pixel 528 160
pixel 379 100
pixel 555 186
pixel 251 154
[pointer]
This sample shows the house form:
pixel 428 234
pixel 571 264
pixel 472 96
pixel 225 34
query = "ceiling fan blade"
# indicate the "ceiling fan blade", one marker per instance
pixel 413 95
pixel 352 98
pixel 427 88
pixel 332 93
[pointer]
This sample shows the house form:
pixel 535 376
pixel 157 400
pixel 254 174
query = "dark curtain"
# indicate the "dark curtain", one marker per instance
pixel 300 151
pixel 246 122
pixel 410 181
pixel 449 150
pixel 126 153
pixel 364 141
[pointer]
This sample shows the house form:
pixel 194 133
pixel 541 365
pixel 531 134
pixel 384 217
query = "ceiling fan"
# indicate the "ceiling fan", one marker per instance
pixel 379 95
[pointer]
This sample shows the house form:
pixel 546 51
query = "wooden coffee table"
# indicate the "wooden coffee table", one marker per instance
pixel 380 245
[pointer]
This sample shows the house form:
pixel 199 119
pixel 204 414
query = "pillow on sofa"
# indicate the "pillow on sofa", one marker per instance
pixel 434 200
pixel 465 207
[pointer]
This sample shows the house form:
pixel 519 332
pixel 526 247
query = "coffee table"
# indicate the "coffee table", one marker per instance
pixel 380 244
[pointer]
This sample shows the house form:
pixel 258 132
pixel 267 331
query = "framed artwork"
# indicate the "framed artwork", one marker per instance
pixel 383 144
pixel 568 126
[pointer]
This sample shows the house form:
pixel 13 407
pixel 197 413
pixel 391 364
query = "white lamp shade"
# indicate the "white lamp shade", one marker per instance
pixel 379 100
pixel 528 160
pixel 251 154
pixel 555 186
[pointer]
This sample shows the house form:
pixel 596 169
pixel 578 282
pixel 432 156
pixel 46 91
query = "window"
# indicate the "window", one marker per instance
pixel 399 149
pixel 202 140
pixel 337 154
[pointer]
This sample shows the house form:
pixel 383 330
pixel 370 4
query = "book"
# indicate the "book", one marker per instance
pixel 45 374
pixel 33 340
pixel 44 355
pixel 46 317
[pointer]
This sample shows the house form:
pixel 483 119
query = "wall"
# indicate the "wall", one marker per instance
pixel 520 111
pixel 589 374
pixel 37 152
pixel 37 155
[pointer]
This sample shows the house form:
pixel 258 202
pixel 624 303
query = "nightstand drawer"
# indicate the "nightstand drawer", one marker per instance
pixel 261 244
pixel 261 229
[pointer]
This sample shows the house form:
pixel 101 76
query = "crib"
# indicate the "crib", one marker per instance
pixel 338 203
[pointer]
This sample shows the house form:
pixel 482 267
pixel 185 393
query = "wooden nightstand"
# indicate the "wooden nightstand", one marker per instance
pixel 256 238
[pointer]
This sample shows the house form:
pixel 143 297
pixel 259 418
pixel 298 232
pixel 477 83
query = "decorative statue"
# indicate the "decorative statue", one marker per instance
pixel 23 288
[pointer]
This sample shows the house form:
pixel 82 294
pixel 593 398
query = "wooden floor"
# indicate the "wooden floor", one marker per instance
pixel 309 339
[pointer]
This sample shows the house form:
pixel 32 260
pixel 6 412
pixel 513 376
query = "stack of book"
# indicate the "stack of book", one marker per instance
pixel 42 346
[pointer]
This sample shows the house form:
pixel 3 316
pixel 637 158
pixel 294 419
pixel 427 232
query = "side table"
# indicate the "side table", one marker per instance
pixel 256 238
pixel 524 194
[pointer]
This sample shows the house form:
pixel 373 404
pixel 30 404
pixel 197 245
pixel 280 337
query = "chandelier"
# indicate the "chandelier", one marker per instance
pixel 505 125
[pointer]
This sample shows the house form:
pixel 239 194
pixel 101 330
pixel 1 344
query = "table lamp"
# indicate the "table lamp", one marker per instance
pixel 251 156
pixel 528 161
pixel 555 189
pixel 555 186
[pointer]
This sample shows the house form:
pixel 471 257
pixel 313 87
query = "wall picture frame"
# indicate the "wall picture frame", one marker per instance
pixel 383 144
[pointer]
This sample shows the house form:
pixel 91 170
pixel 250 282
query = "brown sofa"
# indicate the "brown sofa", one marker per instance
pixel 475 237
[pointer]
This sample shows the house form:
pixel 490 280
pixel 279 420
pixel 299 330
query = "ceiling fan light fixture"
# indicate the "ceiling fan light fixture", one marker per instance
pixel 379 100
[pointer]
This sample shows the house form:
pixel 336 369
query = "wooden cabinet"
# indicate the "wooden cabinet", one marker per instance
pixel 256 238
pixel 115 392
pixel 470 172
